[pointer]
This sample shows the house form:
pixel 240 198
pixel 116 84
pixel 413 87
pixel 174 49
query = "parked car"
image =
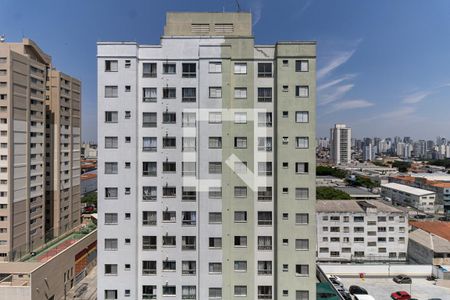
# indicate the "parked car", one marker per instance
pixel 400 295
pixel 335 282
pixel 357 290
pixel 334 277
pixel 363 297
pixel 402 279
pixel 88 209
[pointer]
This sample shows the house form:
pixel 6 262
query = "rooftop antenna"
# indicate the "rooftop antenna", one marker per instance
pixel 238 6
pixel 2 38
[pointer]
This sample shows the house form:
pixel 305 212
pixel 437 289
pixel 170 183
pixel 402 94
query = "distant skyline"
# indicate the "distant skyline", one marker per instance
pixel 383 66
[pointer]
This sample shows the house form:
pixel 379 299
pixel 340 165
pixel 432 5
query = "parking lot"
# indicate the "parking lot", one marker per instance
pixel 381 288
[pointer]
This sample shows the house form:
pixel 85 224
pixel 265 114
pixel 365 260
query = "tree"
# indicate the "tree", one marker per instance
pixel 329 171
pixel 90 198
pixel 329 193
pixel 402 166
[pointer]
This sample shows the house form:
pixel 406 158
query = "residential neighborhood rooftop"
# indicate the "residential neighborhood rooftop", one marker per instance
pixel 407 189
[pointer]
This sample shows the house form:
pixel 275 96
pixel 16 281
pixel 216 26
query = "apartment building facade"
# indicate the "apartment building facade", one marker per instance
pixel 405 195
pixel 360 230
pixel 205 177
pixel 340 144
pixel 24 92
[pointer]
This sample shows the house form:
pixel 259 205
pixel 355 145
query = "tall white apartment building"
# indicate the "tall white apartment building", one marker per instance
pixel 340 144
pixel 206 160
pixel 369 230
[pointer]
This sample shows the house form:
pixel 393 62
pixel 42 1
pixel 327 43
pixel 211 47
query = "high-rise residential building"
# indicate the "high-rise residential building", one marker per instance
pixel 368 153
pixel 206 164
pixel 27 143
pixel 340 144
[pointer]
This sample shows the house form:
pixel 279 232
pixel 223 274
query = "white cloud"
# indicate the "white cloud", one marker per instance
pixel 350 104
pixel 336 94
pixel 338 60
pixel 416 97
pixel 256 10
pixel 334 82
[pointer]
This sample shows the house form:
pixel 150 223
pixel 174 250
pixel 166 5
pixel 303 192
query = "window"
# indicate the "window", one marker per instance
pixel 188 292
pixel 240 191
pixel 301 167
pixel 111 142
pixel 169 93
pixel 215 267
pixel 240 290
pixel 111 244
pixel 240 266
pixel 240 241
pixel 301 193
pixel 128 88
pixel 358 219
pixel 149 218
pixel 265 168
pixel 301 117
pixel 301 66
pixel 169 290
pixel 264 94
pixel 111 218
pixel 189 144
pixel 149 119
pixel 264 292
pixel 169 68
pixel 264 193
pixel 264 243
pixel 240 93
pixel 265 119
pixel 215 192
pixel 265 218
pixel 169 191
pixel 240 117
pixel 264 267
pixel 148 242
pixel 169 241
pixel 188 168
pixel 240 142
pixel 188 267
pixel 215 92
pixel 215 217
pixel 169 118
pixel 111 91
pixel 215 293
pixel 265 144
pixel 169 216
pixel 188 193
pixel 302 91
pixel 149 144
pixel 240 68
pixel 188 94
pixel 111 116
pixel 189 70
pixel 215 142
pixel 215 167
pixel 110 269
pixel 111 66
pixel 215 67
pixel 149 94
pixel 127 114
pixel 301 244
pixel 149 70
pixel 148 267
pixel 301 218
pixel 188 218
pixel 127 63
pixel 127 139
pixel 302 142
pixel 111 193
pixel 149 193
pixel 302 270
pixel 169 265
pixel 111 168
pixel 149 168
pixel 215 242
pixel 188 119
pixel 149 292
pixel 240 216
pixel 110 294
pixel 264 69
pixel 215 117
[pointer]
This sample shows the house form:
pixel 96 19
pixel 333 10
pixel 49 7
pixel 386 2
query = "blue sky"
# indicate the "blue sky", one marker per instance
pixel 384 66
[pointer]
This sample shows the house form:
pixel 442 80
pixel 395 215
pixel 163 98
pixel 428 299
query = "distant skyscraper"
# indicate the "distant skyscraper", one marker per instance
pixel 40 149
pixel 368 152
pixel 340 144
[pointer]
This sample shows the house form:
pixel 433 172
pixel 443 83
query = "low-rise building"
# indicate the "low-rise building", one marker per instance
pixel 429 243
pixel 370 230
pixel 358 193
pixel 406 195
pixel 436 182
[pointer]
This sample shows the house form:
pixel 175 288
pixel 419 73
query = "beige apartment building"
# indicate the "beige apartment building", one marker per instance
pixel 25 94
